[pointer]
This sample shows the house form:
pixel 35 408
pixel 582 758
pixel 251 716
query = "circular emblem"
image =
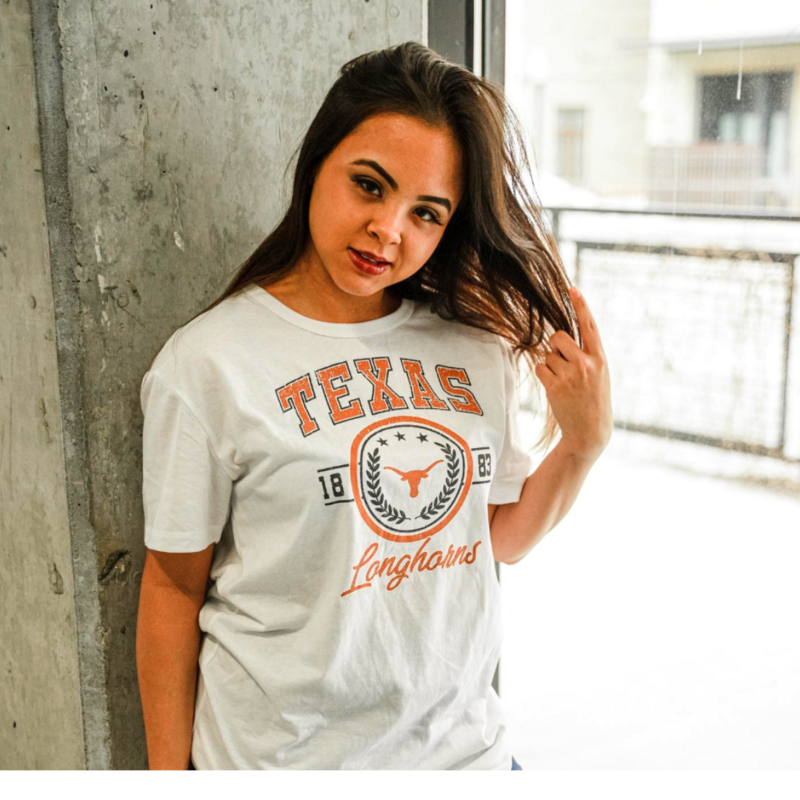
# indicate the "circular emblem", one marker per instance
pixel 409 476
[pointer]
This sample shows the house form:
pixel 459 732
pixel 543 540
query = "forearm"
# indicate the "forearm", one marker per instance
pixel 167 648
pixel 547 496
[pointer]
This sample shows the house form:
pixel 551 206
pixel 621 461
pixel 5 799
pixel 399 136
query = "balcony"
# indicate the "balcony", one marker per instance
pixel 709 174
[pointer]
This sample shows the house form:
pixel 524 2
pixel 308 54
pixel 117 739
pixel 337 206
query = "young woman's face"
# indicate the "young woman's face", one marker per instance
pixel 394 204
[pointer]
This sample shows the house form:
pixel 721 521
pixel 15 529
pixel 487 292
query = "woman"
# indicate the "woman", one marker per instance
pixel 331 460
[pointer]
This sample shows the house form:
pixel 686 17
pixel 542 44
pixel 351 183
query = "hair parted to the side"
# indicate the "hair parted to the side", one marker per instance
pixel 496 267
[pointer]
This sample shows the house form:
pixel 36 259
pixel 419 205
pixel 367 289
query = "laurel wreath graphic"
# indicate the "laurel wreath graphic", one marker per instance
pixel 380 504
pixel 450 485
pixel 385 509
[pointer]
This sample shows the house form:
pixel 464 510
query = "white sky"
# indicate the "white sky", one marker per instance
pixel 677 20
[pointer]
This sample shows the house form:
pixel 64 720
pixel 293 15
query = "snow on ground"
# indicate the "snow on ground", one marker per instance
pixel 656 626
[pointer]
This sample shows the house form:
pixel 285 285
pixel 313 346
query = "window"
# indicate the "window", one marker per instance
pixel 570 143
pixel 753 112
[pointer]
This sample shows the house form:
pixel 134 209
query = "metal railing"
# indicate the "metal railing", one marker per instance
pixel 714 174
pixel 698 338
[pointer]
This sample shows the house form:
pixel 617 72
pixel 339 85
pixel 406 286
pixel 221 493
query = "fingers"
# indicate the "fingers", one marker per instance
pixel 592 343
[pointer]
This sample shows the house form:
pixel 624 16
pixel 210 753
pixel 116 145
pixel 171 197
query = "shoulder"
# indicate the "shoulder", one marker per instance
pixel 465 344
pixel 429 322
pixel 204 345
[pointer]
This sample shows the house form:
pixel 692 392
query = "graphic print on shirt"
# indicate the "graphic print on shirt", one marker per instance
pixel 408 476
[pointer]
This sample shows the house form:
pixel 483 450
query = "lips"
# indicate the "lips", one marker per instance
pixel 365 266
pixel 372 256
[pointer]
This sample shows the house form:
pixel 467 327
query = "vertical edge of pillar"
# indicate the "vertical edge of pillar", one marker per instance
pixel 46 34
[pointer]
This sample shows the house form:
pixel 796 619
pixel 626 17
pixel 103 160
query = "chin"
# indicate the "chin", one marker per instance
pixel 361 287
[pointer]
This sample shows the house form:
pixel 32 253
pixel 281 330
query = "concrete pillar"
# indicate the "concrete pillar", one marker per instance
pixel 142 152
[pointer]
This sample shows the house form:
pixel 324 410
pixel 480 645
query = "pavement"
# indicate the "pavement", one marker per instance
pixel 656 627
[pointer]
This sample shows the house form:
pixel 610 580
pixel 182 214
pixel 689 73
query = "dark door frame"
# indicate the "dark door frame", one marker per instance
pixel 451 33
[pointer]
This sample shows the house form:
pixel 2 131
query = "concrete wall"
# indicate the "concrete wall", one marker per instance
pixel 40 689
pixel 155 169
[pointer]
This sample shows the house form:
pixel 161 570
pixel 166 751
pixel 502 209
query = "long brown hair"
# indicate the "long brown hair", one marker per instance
pixel 496 267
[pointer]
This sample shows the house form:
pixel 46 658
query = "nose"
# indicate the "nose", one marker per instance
pixel 386 226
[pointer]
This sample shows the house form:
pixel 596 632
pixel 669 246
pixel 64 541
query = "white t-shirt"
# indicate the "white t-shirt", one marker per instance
pixel 353 617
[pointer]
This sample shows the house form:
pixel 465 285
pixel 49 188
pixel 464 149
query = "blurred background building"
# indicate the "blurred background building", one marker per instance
pixel 662 139
pixel 651 102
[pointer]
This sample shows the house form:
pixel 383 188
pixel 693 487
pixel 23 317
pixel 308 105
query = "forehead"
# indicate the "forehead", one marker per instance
pixel 416 155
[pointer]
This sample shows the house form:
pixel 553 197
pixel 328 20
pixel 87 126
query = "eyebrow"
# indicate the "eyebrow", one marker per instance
pixel 442 201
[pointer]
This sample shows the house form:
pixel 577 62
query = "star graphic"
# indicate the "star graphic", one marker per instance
pixel 422 437
pixel 400 436
pixel 383 442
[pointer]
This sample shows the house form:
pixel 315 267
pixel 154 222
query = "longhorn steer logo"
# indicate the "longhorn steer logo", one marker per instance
pixel 414 476
pixel 421 501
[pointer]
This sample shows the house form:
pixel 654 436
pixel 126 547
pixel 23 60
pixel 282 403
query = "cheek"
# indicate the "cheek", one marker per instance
pixel 417 249
pixel 333 219
pixel 427 244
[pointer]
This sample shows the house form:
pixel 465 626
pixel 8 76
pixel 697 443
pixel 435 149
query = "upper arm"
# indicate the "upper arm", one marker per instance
pixel 492 509
pixel 186 489
pixel 513 463
pixel 186 572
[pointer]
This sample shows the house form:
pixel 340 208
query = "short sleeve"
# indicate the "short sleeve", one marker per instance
pixel 514 463
pixel 185 490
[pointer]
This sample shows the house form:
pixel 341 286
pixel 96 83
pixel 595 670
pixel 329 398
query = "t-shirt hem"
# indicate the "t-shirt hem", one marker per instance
pixel 169 542
pixel 510 492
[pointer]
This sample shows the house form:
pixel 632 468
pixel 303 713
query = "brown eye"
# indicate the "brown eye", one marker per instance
pixel 362 182
pixel 433 218
pixel 366 184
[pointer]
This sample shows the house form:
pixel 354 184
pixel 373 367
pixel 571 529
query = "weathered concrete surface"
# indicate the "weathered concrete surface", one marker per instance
pixel 40 697
pixel 163 170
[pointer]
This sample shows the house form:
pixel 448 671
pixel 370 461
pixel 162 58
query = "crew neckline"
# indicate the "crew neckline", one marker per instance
pixel 340 330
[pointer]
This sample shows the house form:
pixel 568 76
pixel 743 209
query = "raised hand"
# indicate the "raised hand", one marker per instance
pixel 577 384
